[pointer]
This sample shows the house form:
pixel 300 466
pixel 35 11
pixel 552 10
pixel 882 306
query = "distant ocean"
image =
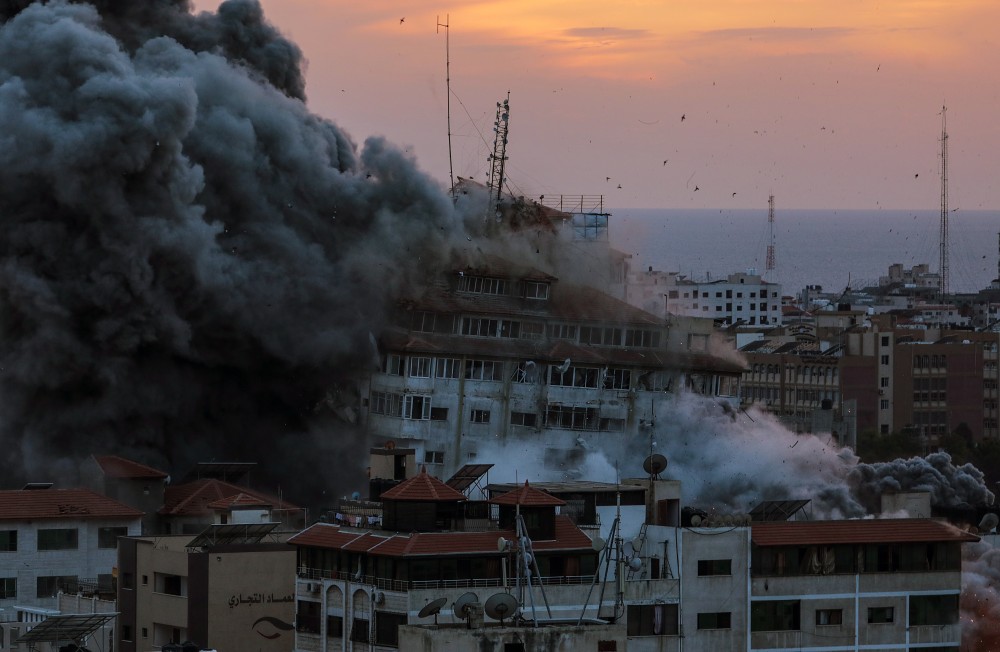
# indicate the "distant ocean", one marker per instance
pixel 812 247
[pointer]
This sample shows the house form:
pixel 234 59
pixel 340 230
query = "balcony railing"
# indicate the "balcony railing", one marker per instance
pixel 403 586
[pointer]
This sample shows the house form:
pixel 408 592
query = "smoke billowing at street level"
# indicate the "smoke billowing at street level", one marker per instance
pixel 191 263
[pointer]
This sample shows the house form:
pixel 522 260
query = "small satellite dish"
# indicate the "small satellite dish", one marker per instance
pixel 502 544
pixel 598 544
pixel 629 550
pixel 989 522
pixel 432 609
pixel 655 464
pixel 695 520
pixel 378 598
pixel 356 495
pixel 500 605
pixel 635 564
pixel 461 606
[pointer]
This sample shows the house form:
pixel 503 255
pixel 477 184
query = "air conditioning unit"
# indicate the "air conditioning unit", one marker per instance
pixel 312 587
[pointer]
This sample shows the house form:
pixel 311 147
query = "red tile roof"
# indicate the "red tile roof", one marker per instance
pixel 70 504
pixel 195 498
pixel 568 537
pixel 114 466
pixel 899 530
pixel 425 489
pixel 527 496
pixel 239 500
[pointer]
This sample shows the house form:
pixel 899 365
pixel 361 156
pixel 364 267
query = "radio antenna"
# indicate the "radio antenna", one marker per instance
pixel 447 78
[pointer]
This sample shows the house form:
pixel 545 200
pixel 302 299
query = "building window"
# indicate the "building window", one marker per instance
pixel 884 359
pixel 480 416
pixel 883 404
pixel 393 365
pixel 416 406
pixel 717 620
pixel 448 368
pixel 439 413
pixel 126 632
pixel 829 616
pixel 359 630
pixel 618 379
pixel 169 584
pixel 47 586
pixel 600 336
pixel 708 567
pixel 308 617
pixel 574 376
pixel 8 588
pixel 107 537
pixel 8 540
pixel 883 381
pixel 334 627
pixel 775 616
pixel 420 367
pixel 387 628
pixel 480 327
pixel 481 285
pixel 483 370
pixel 880 615
pixel 58 539
pixel 532 330
pixel 386 403
pixel 571 417
pixel 433 457
pixel 562 331
pixel 933 609
pixel 652 620
pixel 536 290
pixel 641 337
pixel 145 632
pixel 527 419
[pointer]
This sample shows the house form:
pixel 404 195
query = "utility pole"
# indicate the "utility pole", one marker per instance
pixel 769 265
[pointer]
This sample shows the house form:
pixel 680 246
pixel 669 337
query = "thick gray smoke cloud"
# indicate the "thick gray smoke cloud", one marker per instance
pixel 191 263
pixel 730 462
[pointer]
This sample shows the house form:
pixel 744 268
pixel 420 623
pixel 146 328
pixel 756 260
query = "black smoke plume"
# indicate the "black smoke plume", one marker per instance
pixel 191 263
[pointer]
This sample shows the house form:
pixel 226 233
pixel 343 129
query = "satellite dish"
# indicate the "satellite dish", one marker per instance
pixel 655 464
pixel 989 522
pixel 502 544
pixel 635 564
pixel 379 598
pixel 461 606
pixel 500 605
pixel 432 609
pixel 695 520
pixel 598 544
pixel 356 495
pixel 629 550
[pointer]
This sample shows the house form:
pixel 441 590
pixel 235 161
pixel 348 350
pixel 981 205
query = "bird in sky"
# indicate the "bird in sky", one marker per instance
pixel 402 19
pixel 606 179
pixel 684 117
pixel 696 188
pixel 619 186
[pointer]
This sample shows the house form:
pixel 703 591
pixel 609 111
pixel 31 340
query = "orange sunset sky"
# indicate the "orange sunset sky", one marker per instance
pixel 824 103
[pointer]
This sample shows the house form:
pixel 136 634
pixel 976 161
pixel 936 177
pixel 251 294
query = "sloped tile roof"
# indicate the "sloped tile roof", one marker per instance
pixel 114 466
pixel 423 488
pixel 195 498
pixel 68 504
pixel 528 496
pixel 897 530
pixel 568 537
pixel 241 499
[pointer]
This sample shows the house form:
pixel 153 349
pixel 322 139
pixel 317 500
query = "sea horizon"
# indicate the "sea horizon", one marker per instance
pixel 830 248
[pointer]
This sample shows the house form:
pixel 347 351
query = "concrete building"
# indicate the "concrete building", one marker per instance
pixel 231 587
pixel 54 540
pixel 498 352
pixel 741 298
pixel 134 484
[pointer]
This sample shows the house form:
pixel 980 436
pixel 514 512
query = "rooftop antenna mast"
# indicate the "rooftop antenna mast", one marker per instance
pixel 498 158
pixel 769 264
pixel 447 77
pixel 943 281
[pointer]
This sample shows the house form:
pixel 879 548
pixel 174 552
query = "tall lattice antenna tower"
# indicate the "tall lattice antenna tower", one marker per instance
pixel 943 283
pixel 447 81
pixel 498 158
pixel 769 265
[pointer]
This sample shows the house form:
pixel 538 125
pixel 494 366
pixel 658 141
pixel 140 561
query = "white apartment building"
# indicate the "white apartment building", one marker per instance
pixel 54 540
pixel 741 298
pixel 496 353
